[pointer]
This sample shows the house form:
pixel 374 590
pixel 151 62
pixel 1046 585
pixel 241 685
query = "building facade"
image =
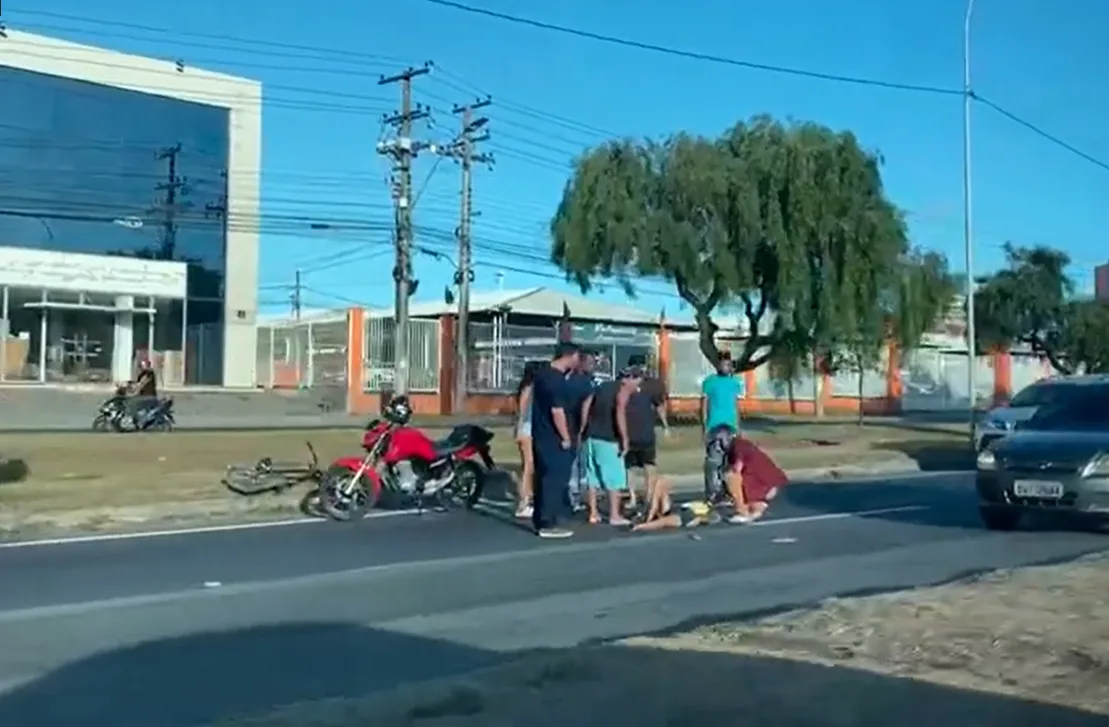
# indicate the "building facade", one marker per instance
pixel 1101 282
pixel 129 208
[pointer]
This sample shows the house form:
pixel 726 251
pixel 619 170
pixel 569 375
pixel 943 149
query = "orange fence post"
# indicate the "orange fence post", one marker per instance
pixel 356 369
pixel 894 387
pixel 447 365
pixel 1002 377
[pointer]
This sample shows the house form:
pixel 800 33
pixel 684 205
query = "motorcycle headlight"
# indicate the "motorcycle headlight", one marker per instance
pixel 986 460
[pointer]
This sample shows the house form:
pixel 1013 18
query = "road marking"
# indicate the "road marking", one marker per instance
pixel 333 577
pixel 107 537
pixel 783 541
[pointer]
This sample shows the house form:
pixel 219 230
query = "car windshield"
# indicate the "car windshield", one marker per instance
pixel 1037 395
pixel 1073 408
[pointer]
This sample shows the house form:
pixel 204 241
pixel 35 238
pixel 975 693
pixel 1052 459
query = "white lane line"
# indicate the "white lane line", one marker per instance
pixel 324 579
pixel 107 537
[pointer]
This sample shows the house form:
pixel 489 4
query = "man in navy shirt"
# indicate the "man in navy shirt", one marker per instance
pixel 580 384
pixel 553 441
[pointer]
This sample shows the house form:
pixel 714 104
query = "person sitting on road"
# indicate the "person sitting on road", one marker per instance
pixel 142 393
pixel 752 481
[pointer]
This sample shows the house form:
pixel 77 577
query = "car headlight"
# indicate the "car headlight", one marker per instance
pixel 986 460
pixel 1097 467
pixel 999 424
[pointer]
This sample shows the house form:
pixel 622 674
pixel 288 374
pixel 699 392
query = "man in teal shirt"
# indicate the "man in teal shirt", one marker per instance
pixel 720 394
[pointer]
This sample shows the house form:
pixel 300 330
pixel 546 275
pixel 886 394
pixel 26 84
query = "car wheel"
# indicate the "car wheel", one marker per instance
pixel 999 518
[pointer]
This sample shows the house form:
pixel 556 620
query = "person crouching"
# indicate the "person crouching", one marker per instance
pixel 751 481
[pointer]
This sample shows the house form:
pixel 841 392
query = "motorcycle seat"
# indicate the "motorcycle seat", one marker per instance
pixel 458 438
pixel 447 445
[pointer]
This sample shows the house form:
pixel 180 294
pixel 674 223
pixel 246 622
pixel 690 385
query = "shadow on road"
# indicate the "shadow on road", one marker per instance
pixel 193 680
pixel 934 456
pixel 13 470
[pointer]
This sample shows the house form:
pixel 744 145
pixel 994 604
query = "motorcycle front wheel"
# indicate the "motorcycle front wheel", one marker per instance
pixel 340 505
pixel 101 423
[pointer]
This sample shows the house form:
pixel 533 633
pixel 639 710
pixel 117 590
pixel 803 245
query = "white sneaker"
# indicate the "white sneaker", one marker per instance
pixel 738 519
pixel 555 533
pixel 524 512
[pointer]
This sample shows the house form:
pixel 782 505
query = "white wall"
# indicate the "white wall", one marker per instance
pixel 243 98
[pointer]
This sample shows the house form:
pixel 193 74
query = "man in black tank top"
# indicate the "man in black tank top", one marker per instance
pixel 606 445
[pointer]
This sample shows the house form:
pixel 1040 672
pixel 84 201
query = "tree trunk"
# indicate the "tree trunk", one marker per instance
pixel 862 379
pixel 818 390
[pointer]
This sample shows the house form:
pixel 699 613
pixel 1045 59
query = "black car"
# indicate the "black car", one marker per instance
pixel 1056 461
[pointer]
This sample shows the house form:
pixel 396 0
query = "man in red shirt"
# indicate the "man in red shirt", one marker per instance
pixel 752 481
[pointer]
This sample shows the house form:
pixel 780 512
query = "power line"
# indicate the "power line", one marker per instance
pixel 1041 132
pixel 694 55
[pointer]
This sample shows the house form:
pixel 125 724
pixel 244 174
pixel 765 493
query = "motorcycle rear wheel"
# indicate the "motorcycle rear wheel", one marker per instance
pixel 337 506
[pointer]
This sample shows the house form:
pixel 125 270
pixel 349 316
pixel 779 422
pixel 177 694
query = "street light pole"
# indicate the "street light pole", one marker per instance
pixel 968 234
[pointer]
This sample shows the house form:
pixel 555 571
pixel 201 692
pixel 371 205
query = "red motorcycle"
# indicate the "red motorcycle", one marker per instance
pixel 403 467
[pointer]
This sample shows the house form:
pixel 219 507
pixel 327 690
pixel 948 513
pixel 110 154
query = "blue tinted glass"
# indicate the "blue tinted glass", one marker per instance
pixel 87 168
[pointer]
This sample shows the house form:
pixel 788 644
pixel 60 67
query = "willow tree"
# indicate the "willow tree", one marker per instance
pixel 790 223
pixel 1031 303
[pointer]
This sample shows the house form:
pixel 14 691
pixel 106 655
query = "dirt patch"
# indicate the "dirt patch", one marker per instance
pixel 99 482
pixel 1036 631
pixel 1025 647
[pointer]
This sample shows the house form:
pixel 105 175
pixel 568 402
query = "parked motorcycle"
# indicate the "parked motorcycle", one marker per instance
pixel 403 467
pixel 114 416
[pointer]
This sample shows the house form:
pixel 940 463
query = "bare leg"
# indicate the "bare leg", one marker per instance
pixel 591 505
pixel 525 482
pixel 656 490
pixel 668 522
pixel 615 516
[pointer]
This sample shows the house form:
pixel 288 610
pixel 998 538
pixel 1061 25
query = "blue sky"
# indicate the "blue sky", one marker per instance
pixel 555 94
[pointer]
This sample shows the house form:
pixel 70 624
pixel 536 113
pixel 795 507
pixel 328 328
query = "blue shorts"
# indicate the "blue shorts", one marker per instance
pixel 604 467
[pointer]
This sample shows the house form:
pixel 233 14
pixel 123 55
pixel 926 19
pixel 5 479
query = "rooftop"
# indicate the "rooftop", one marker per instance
pixel 543 302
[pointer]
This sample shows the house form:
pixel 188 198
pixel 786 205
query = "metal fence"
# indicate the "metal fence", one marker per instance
pixel 379 354
pixel 936 380
pixel 499 351
pixel 304 354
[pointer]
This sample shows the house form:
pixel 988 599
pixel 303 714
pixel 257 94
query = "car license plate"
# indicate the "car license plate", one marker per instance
pixel 1038 488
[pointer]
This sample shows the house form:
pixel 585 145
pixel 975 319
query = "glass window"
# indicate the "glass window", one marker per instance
pixel 1076 408
pixel 1039 394
pixel 94 169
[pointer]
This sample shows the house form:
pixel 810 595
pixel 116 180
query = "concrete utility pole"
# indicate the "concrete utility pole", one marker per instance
pixel 968 228
pixel 463 151
pixel 402 149
pixel 173 188
pixel 296 297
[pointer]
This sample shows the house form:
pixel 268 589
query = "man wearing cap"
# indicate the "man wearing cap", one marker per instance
pixel 552 439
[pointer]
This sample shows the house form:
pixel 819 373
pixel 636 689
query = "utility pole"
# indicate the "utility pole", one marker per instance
pixel 173 188
pixel 463 151
pixel 968 228
pixel 296 298
pixel 402 149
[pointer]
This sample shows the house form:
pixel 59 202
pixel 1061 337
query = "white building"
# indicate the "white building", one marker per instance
pixel 129 208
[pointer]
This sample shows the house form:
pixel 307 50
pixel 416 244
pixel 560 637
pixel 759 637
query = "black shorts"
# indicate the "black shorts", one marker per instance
pixel 641 455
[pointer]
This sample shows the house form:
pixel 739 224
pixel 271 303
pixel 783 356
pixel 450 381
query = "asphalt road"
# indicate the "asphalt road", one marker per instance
pixel 172 631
